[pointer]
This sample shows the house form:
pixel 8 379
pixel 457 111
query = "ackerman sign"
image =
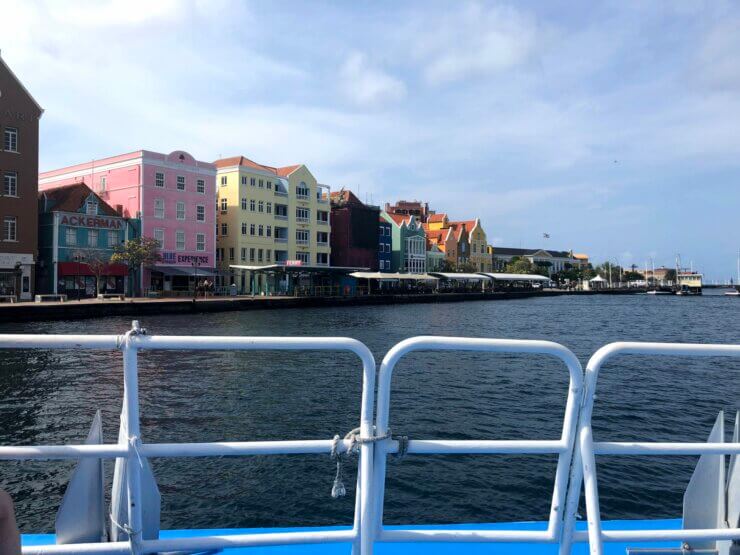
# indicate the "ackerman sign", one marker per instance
pixel 82 220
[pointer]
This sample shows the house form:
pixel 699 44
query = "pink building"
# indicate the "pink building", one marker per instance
pixel 173 194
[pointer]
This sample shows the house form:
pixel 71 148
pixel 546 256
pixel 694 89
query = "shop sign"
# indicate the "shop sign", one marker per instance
pixel 9 260
pixel 91 221
pixel 170 257
pixel 294 262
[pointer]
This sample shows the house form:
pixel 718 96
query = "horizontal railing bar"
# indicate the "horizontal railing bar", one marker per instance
pixel 109 548
pixel 40 341
pixel 216 449
pixel 200 343
pixel 467 536
pixel 668 535
pixel 248 540
pixel 447 446
pixel 654 448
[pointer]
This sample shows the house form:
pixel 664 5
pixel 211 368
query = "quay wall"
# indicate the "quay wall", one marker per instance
pixel 74 310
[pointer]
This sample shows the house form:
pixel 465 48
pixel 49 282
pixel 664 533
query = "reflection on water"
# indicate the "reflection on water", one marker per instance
pixel 50 397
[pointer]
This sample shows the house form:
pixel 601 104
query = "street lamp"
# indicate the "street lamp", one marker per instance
pixel 195 262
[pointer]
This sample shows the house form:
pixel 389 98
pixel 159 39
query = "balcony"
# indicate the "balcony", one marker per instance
pixel 281 239
pixel 281 193
pixel 322 194
pixel 322 263
pixel 322 243
pixel 302 242
pixel 322 222
pixel 281 216
pixel 301 220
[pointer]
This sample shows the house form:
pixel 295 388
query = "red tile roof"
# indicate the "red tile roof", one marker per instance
pixel 71 198
pixel 436 218
pixel 246 162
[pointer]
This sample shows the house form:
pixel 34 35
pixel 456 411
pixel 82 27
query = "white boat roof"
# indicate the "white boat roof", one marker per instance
pixel 516 277
pixel 461 276
pixel 390 276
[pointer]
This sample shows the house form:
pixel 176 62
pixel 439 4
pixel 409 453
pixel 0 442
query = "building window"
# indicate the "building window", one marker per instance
pixel 180 240
pixel 113 238
pixel 244 203
pixel 244 228
pixel 159 179
pixel 251 205
pixel 92 237
pixel 322 258
pixel 200 213
pixel 200 241
pixel 322 216
pixel 268 231
pixel 10 184
pixel 251 229
pixel 260 230
pixel 302 214
pixel 200 186
pixel 103 183
pixel 260 206
pixel 70 237
pixel 261 184
pixel 180 210
pixel 281 211
pixel 260 253
pixel 244 181
pixel 231 254
pixel 224 230
pixel 244 252
pixel 302 191
pixel 301 236
pixel 322 238
pixel 159 237
pixel 224 205
pixel 304 257
pixel 180 183
pixel 381 265
pixel 252 181
pixel 269 185
pixel 251 255
pixel 10 144
pixel 91 207
pixel 159 208
pixel 269 208
pixel 223 181
pixel 268 255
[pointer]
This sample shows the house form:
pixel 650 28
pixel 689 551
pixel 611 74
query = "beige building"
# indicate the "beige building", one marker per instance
pixel 462 242
pixel 266 216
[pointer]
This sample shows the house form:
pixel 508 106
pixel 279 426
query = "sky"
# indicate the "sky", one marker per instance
pixel 614 127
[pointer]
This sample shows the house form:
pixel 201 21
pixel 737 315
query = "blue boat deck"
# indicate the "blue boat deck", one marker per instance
pixel 425 548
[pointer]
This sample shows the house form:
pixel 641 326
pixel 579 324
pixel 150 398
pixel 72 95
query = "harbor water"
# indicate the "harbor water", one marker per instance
pixel 50 397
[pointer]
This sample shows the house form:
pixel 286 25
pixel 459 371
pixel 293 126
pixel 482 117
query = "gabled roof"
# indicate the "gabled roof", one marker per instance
pixel 436 218
pixel 247 163
pixel 400 219
pixel 345 196
pixel 21 85
pixel 71 198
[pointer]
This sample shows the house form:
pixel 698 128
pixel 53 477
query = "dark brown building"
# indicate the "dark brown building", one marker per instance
pixel 19 170
pixel 410 208
pixel 354 231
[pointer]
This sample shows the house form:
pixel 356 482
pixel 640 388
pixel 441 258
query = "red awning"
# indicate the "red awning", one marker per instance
pixel 82 269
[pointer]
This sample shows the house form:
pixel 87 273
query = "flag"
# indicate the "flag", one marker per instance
pixel 546 235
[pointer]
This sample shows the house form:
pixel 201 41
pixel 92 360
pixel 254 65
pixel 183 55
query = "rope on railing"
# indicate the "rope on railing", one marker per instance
pixel 355 441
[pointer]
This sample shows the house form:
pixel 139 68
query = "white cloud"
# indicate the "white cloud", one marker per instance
pixel 368 86
pixel 477 41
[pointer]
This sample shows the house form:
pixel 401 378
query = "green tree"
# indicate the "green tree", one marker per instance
pixel 633 276
pixel 519 265
pixel 97 261
pixel 137 253
pixel 467 267
pixel 447 265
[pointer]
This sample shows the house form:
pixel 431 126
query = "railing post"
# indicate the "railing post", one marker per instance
pixel 132 432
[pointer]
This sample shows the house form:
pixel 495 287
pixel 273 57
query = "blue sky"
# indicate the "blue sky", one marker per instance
pixel 612 126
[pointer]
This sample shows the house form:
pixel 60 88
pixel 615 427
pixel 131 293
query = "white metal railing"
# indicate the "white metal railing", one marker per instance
pixel 130 344
pixel 575 448
pixel 562 447
pixel 584 463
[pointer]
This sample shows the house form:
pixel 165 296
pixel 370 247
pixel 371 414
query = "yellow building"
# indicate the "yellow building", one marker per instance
pixel 465 241
pixel 268 216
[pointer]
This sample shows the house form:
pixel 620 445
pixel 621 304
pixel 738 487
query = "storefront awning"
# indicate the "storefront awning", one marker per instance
pixel 516 277
pixel 82 269
pixel 296 268
pixel 461 276
pixel 185 271
pixel 393 277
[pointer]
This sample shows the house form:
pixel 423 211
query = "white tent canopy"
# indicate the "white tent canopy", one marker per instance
pixel 392 277
pixel 515 277
pixel 597 279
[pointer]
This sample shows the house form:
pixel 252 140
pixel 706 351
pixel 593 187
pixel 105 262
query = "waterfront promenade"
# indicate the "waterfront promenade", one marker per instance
pixel 93 308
